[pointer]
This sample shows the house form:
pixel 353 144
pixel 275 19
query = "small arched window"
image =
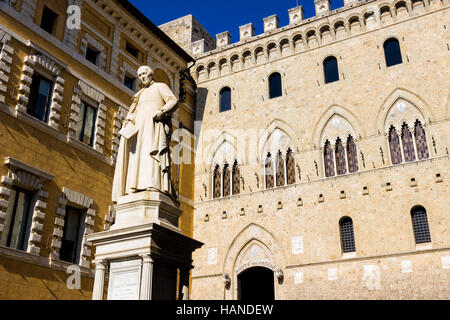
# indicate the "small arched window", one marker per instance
pixel 290 167
pixel 392 52
pixel 328 159
pixel 420 225
pixel 408 144
pixel 268 167
pixel 236 178
pixel 341 165
pixel 421 141
pixel 352 155
pixel 275 87
pixel 225 99
pixel 280 170
pixel 394 146
pixel 217 183
pixel 330 69
pixel 226 178
pixel 347 235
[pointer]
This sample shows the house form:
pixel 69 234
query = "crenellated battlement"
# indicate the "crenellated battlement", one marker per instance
pixel 364 13
pixel 301 34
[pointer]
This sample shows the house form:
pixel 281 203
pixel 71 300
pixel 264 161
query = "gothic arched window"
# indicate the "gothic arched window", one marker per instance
pixel 275 86
pixel 330 69
pixel 236 178
pixel 347 235
pixel 421 141
pixel 352 155
pixel 328 158
pixel 420 225
pixel 394 146
pixel 226 184
pixel 217 183
pixel 392 52
pixel 269 172
pixel 290 167
pixel 408 144
pixel 225 99
pixel 341 165
pixel 280 170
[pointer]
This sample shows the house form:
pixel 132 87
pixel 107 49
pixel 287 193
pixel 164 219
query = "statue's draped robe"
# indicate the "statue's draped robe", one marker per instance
pixel 143 161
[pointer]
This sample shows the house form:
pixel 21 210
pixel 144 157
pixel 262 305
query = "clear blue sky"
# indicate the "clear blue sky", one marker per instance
pixel 219 16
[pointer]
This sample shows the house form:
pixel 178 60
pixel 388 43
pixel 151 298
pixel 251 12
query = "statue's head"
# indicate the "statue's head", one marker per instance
pixel 145 75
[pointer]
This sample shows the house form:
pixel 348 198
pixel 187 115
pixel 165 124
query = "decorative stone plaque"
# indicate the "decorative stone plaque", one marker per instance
pixel 297 244
pixel 332 274
pixel 212 256
pixel 124 282
pixel 445 262
pixel 406 266
pixel 298 277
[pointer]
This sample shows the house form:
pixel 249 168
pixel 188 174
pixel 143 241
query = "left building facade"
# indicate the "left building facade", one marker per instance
pixel 67 76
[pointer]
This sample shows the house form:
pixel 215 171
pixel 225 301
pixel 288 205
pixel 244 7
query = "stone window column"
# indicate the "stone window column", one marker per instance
pixel 84 89
pixel 71 35
pixel 114 67
pixel 6 53
pixel 99 280
pixel 79 200
pixel 31 179
pixel 146 277
pixel 118 118
pixel 25 84
pixel 29 8
pixel 110 218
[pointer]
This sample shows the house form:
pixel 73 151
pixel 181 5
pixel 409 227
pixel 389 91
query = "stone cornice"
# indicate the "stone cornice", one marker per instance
pixel 144 37
pixel 16 164
pixel 24 257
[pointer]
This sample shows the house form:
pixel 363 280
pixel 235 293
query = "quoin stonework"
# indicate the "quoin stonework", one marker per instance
pixel 322 158
pixel 315 156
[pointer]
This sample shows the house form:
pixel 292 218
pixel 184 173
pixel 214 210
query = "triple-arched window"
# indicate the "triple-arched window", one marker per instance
pixel 275 85
pixel 279 171
pixel 392 52
pixel 330 69
pixel 226 180
pixel 341 159
pixel 225 99
pixel 407 146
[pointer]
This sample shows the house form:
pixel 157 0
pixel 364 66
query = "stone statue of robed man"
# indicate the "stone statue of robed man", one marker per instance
pixel 143 160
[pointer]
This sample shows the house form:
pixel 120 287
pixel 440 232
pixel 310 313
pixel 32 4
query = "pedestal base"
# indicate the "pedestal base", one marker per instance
pixel 144 249
pixel 147 207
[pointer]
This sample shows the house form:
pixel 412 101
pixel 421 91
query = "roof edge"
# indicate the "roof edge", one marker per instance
pixel 132 10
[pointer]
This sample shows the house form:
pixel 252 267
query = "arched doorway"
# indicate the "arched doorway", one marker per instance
pixel 256 284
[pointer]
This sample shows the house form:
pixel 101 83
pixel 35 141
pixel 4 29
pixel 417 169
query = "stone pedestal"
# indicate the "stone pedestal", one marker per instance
pixel 144 250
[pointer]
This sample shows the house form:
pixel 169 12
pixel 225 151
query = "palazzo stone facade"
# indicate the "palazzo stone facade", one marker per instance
pixel 57 157
pixel 332 185
pixel 321 147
